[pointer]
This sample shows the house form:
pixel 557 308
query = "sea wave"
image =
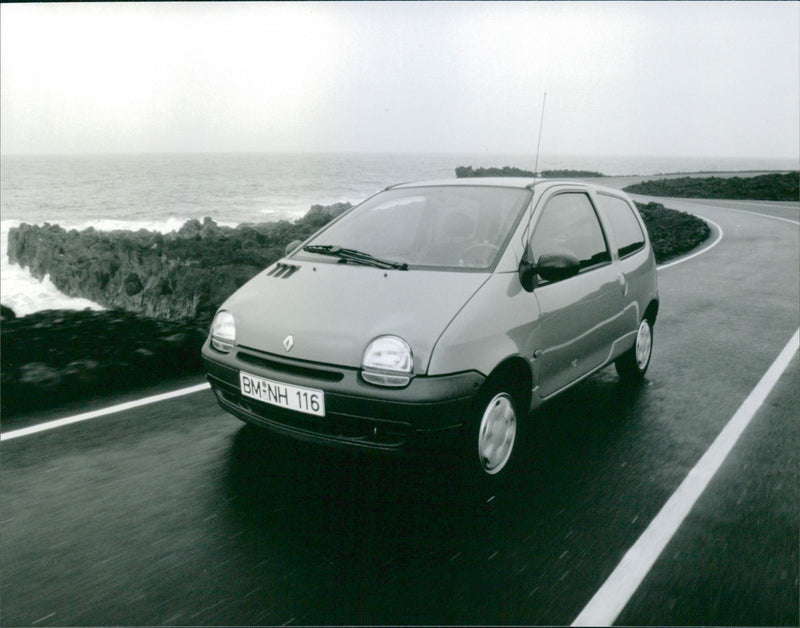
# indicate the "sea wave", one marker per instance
pixel 25 294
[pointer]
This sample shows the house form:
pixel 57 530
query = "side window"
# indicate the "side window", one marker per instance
pixel 627 230
pixel 569 224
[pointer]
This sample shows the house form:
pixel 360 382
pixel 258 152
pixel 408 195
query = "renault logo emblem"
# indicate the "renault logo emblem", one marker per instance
pixel 288 343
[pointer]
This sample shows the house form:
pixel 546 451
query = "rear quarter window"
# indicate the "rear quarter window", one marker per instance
pixel 627 230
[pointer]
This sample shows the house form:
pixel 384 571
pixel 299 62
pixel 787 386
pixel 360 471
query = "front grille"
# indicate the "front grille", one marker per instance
pixel 290 367
pixel 335 427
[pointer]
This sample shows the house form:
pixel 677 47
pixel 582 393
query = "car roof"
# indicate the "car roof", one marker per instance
pixel 507 182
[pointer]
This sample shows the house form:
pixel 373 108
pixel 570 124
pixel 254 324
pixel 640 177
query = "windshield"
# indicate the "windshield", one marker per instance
pixel 463 227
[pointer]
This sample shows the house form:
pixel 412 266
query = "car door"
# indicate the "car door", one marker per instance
pixel 634 269
pixel 580 314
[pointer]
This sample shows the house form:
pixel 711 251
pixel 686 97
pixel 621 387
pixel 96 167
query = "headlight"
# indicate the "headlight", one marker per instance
pixel 223 332
pixel 387 362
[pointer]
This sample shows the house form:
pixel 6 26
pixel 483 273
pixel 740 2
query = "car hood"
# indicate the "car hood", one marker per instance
pixel 332 311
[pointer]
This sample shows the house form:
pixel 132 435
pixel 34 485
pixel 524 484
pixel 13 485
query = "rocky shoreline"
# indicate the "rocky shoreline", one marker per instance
pixel 161 292
pixel 55 356
pixel 174 276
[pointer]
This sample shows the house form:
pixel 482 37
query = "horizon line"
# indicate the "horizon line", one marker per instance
pixel 795 158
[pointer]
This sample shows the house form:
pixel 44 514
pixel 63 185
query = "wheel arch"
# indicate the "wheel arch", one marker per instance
pixel 651 312
pixel 516 371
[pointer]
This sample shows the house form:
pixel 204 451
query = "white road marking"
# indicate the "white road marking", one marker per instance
pixel 611 598
pixel 732 201
pixel 744 211
pixel 720 233
pixel 609 601
pixel 86 416
pixel 50 425
pixel 43 618
pixel 705 249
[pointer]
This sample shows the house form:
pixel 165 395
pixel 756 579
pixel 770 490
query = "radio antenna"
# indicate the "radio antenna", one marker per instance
pixel 539 142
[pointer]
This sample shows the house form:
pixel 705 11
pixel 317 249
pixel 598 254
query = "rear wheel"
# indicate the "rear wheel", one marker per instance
pixel 632 365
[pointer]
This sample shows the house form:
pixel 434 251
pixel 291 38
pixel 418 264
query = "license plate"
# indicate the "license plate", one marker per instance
pixel 298 398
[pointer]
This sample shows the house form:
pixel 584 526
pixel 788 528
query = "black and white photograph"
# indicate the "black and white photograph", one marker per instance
pixel 364 313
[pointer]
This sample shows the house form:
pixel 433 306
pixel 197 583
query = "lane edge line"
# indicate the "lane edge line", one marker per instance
pixel 94 414
pixel 705 249
pixel 615 593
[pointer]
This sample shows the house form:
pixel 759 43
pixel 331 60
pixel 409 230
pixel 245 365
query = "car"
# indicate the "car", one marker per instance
pixel 440 312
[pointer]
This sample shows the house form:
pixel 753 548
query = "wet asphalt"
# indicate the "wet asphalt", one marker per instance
pixel 178 514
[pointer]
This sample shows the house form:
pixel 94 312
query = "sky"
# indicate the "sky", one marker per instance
pixel 643 78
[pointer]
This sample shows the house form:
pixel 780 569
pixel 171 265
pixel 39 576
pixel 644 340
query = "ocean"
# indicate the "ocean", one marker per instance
pixel 160 192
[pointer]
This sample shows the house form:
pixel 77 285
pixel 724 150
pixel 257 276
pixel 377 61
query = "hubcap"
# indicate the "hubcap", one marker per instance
pixel 644 343
pixel 496 433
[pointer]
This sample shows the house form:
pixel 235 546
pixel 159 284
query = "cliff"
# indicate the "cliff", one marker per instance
pixel 182 274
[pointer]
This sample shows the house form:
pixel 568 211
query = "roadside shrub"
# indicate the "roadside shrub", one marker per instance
pixel 766 187
pixel 672 232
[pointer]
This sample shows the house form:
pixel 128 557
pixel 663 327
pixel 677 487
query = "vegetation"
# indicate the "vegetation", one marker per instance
pixel 54 356
pixel 570 174
pixel 510 171
pixel 766 187
pixel 505 171
pixel 671 232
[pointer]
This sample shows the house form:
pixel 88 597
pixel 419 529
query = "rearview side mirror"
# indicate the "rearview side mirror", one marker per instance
pixel 558 266
pixel 550 267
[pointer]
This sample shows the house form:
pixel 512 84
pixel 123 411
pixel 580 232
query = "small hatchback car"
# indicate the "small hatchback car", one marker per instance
pixel 440 308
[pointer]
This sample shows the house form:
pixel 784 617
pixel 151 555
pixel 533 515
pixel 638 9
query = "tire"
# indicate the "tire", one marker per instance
pixel 494 436
pixel 632 365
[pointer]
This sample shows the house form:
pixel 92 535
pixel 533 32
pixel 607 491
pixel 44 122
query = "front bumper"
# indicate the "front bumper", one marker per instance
pixel 358 415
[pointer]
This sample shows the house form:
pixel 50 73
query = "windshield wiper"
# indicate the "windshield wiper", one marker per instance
pixel 351 255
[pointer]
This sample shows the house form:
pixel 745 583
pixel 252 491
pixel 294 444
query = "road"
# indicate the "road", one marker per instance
pixel 175 513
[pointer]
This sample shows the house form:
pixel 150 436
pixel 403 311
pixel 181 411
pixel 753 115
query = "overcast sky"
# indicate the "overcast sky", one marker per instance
pixel 652 79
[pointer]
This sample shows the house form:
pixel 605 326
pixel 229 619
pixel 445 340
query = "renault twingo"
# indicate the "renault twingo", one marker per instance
pixel 439 309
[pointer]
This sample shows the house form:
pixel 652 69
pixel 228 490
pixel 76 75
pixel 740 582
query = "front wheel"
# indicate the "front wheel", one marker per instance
pixel 632 365
pixel 494 435
pixel 497 433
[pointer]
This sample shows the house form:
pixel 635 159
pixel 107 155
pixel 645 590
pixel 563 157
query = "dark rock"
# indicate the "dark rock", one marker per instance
pixel 512 171
pixel 161 291
pixel 6 313
pixel 58 355
pixel 37 373
pixel 82 373
pixel 571 174
pixel 133 285
pixel 183 274
pixel 505 171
